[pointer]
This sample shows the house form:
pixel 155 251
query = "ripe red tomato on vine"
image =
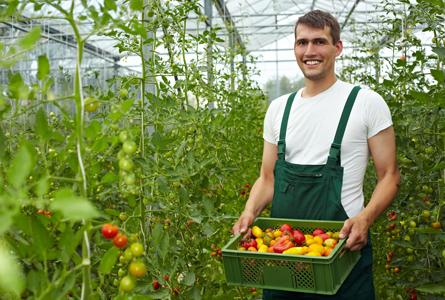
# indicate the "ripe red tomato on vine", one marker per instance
pixel 109 231
pixel 120 240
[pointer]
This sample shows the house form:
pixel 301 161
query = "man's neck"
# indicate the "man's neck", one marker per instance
pixel 313 88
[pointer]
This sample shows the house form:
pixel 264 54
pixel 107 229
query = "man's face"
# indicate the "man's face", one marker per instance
pixel 315 52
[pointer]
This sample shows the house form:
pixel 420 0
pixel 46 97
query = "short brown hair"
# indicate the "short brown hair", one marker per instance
pixel 320 19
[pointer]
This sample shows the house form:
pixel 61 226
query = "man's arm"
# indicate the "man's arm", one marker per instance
pixel 262 191
pixel 383 151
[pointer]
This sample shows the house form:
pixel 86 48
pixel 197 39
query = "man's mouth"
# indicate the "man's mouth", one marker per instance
pixel 312 62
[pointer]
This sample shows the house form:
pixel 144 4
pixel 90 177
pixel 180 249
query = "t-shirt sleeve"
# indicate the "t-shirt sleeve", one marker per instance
pixel 269 132
pixel 378 115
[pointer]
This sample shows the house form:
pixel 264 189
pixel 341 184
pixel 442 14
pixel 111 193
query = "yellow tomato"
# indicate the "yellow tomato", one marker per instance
pixel 330 243
pixel 313 253
pixel 309 241
pixel 277 233
pixel 266 240
pixel 241 249
pixel 308 236
pixel 272 242
pixel 336 235
pixel 253 249
pixel 257 232
pixel 318 240
pixel 329 233
pixel 259 241
pixel 296 250
pixel 316 248
pixel 263 248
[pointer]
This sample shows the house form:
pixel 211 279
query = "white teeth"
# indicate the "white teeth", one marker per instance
pixel 312 62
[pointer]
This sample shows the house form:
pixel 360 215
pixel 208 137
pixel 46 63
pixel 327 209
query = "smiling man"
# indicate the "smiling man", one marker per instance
pixel 317 143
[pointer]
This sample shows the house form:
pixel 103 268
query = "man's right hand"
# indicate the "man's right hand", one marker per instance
pixel 245 220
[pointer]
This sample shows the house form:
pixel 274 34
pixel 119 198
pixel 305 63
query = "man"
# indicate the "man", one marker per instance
pixel 317 143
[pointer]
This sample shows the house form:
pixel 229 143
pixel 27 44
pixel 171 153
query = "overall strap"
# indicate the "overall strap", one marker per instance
pixel 283 129
pixel 334 151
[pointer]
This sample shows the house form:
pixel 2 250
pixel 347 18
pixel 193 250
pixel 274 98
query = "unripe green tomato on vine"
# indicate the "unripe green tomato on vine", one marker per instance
pixel 91 104
pixel 127 284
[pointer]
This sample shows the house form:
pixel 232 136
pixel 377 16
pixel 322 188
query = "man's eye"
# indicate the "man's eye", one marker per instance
pixel 300 43
pixel 319 42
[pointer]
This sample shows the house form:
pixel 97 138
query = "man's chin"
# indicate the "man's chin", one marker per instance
pixel 313 76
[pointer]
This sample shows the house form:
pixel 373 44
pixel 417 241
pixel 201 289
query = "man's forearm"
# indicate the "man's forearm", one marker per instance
pixel 260 195
pixel 382 197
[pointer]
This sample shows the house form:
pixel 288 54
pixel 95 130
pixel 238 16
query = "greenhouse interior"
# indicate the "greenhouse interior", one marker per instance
pixel 144 151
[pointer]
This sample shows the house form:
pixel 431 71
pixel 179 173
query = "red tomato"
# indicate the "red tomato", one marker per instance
pixel 317 231
pixel 156 284
pixel 285 227
pixel 298 237
pixel 120 240
pixel 109 231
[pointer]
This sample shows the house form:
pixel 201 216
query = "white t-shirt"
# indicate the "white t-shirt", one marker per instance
pixel 311 130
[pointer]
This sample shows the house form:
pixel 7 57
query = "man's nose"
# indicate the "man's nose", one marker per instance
pixel 310 49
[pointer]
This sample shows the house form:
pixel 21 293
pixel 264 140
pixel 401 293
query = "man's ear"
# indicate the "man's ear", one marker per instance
pixel 339 47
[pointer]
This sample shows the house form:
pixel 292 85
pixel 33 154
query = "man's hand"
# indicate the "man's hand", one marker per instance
pixel 244 221
pixel 356 229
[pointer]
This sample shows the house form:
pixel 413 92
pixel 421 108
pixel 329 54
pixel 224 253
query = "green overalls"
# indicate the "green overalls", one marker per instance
pixel 314 192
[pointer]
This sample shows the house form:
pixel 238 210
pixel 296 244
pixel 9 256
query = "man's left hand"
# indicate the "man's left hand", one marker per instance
pixel 356 229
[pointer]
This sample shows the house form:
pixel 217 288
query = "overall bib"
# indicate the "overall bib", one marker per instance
pixel 314 192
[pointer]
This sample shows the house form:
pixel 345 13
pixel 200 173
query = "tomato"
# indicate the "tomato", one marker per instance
pixel 257 232
pixel 426 214
pixel 129 179
pixel 298 237
pixel 123 216
pixel 127 284
pixel 285 227
pixel 137 269
pixel 123 93
pixel 155 284
pixel 166 277
pixel 109 231
pixel 436 225
pixel 128 254
pixel 129 147
pixel 126 164
pixel 317 231
pixel 137 249
pixel 120 240
pixel 123 136
pixel 91 104
pixel 121 272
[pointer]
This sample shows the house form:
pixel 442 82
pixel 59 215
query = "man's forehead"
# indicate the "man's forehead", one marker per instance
pixel 308 32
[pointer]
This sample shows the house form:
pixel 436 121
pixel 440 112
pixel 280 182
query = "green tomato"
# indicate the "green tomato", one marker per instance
pixel 126 164
pixel 127 284
pixel 129 147
pixel 130 179
pixel 137 249
pixel 123 136
pixel 91 104
pixel 121 272
pixel 123 216
pixel 128 254
pixel 123 93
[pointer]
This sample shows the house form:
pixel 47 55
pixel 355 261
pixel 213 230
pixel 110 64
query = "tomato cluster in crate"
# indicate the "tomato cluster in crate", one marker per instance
pixel 288 240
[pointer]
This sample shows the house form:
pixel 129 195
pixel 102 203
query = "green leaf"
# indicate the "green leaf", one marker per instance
pixel 126 105
pixel 17 87
pixel 108 260
pixel 30 39
pixel 41 239
pixel 11 276
pixel 7 212
pixel 439 51
pixel 20 167
pixel 110 4
pixel 432 288
pixel 42 128
pixel 43 67
pixel 73 207
pixel 92 131
pixel 137 4
pixel 439 75
pixel 164 245
pixel 42 186
pixel 69 242
pixel 189 279
pixel 157 233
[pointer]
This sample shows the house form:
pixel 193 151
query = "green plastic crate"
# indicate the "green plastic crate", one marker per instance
pixel 298 273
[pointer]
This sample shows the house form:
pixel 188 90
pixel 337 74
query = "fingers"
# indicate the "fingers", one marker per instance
pixel 242 224
pixel 346 230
